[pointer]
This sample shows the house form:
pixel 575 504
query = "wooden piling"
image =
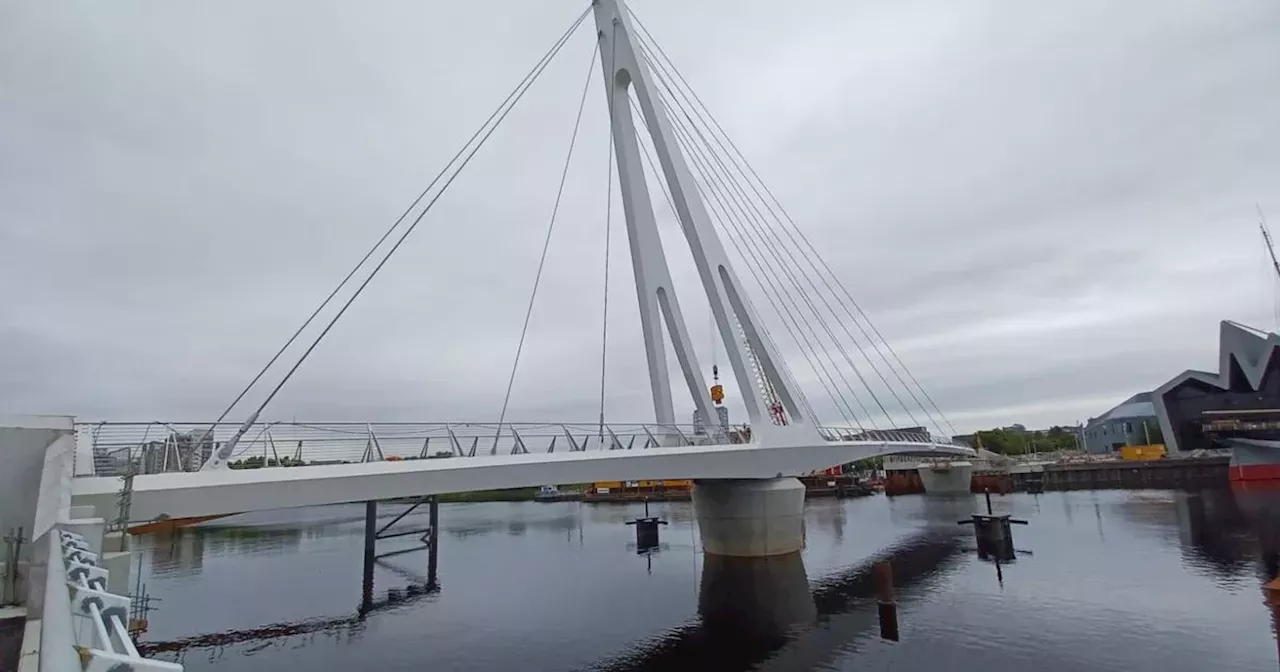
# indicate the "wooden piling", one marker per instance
pixel 886 601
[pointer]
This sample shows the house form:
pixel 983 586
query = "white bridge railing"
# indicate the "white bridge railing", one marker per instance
pixel 84 626
pixel 158 447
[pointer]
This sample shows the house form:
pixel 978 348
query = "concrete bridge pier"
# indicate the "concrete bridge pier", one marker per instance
pixel 750 518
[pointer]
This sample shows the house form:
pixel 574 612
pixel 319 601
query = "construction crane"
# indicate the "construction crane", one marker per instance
pixel 1266 238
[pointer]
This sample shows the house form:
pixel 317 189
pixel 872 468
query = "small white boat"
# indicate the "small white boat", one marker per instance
pixel 548 493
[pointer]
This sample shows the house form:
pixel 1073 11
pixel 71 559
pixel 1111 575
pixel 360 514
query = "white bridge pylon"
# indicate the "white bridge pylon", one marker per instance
pixel 795 446
pixel 625 70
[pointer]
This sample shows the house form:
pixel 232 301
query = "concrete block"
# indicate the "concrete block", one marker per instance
pixel 83 512
pixel 89 528
pixel 119 564
pixel 115 542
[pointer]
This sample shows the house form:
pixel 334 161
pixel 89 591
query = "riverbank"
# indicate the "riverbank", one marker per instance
pixel 1175 474
pixel 510 495
pixel 815 486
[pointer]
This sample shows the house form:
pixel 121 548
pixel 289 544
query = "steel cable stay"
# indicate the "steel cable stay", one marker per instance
pixel 763 229
pixel 770 290
pixel 546 244
pixel 804 401
pixel 766 289
pixel 793 322
pixel 717 186
pixel 608 228
pixel 666 193
pixel 778 288
pixel 382 239
pixel 769 239
pixel 876 346
pixel 760 228
pixel 502 111
pixel 651 163
pixel 822 269
pixel 825 272
pixel 721 212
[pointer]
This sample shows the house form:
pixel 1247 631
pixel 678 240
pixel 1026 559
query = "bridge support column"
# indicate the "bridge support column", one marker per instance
pixel 370 554
pixel 428 539
pixel 750 517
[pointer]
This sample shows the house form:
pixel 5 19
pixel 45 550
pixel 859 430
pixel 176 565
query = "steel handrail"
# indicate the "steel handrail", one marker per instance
pixel 119 446
pixel 76 588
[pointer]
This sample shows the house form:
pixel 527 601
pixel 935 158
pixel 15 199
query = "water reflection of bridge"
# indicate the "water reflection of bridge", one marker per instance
pixel 300 633
pixel 763 609
pixel 766 607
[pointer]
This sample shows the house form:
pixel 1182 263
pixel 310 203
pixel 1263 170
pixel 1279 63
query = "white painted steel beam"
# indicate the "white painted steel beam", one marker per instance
pixel 626 69
pixel 203 493
pixel 654 289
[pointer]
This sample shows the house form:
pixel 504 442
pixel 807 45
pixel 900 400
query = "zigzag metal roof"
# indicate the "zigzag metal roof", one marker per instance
pixel 1250 348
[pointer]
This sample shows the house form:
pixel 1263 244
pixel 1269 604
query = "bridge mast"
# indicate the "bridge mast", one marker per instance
pixel 625 70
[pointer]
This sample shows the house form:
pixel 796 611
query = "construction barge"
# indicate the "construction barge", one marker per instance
pixel 1189 473
pixel 817 485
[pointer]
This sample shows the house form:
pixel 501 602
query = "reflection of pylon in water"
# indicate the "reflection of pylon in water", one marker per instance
pixel 776 412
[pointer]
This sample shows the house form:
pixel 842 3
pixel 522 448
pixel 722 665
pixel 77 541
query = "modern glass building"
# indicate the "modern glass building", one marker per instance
pixel 1236 407
pixel 1132 423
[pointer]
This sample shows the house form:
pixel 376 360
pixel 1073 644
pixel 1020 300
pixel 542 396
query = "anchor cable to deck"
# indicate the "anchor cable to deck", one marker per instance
pixel 759 245
pixel 709 120
pixel 779 298
pixel 752 253
pixel 494 120
pixel 820 267
pixel 723 206
pixel 751 265
pixel 396 224
pixel 608 227
pixel 546 243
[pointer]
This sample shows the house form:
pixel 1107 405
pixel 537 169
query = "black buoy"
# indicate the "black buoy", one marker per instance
pixel 646 531
pixel 994 533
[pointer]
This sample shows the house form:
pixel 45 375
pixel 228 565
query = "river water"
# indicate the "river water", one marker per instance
pixel 1108 580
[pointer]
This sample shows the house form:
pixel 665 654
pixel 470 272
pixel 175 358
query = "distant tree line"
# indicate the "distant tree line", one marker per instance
pixel 256 462
pixel 1018 441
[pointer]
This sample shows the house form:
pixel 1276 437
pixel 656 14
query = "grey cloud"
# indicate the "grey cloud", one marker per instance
pixel 1043 207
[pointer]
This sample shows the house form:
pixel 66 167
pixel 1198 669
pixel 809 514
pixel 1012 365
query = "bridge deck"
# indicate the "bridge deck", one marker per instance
pixel 210 492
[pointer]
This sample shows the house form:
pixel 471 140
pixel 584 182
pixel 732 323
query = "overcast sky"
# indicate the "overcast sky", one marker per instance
pixel 1045 207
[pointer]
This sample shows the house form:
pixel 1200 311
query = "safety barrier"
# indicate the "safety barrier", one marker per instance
pixel 84 626
pixel 160 447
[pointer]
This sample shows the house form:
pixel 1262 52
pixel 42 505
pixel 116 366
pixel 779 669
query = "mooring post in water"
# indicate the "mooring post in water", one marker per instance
pixel 886 600
pixel 433 508
pixel 993 533
pixel 646 530
pixel 370 553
